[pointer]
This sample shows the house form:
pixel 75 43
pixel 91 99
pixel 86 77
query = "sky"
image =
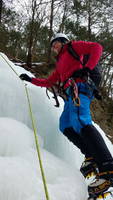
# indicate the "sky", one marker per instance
pixel 20 176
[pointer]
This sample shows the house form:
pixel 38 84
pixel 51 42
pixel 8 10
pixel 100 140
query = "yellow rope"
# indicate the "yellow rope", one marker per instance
pixel 35 133
pixel 37 145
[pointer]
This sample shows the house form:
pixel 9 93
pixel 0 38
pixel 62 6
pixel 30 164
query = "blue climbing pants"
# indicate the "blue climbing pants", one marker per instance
pixel 77 116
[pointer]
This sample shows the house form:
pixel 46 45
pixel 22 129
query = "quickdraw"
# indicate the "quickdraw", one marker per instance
pixel 75 96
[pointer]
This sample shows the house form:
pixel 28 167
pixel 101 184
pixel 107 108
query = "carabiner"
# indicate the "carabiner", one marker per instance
pixel 76 101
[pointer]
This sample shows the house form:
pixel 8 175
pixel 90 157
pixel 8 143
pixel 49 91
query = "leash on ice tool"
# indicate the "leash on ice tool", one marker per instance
pixel 34 130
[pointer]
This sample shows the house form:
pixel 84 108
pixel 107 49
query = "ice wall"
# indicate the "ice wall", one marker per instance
pixel 14 104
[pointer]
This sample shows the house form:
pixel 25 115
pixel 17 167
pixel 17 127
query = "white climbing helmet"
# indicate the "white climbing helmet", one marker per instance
pixel 61 37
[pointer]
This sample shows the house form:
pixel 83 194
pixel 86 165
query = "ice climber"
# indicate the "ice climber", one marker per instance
pixel 75 121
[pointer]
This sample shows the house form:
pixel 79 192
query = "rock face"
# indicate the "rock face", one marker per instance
pixel 102 114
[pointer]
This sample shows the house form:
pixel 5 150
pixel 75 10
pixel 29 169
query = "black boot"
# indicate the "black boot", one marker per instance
pixel 102 185
pixel 89 166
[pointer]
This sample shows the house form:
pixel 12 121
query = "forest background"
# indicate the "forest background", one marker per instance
pixel 26 29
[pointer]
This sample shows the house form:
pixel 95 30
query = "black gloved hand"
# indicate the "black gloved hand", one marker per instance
pixel 25 77
pixel 81 73
pixel 85 71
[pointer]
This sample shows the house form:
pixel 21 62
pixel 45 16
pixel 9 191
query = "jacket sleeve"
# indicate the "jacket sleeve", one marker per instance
pixel 93 49
pixel 49 82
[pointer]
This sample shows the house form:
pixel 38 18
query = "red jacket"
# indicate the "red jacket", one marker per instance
pixel 66 65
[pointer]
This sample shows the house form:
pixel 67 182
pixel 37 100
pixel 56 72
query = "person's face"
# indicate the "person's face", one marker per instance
pixel 56 47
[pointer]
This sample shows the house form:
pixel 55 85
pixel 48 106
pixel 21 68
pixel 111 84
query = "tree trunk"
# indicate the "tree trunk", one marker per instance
pixel 61 27
pixel 29 56
pixel 50 30
pixel 89 20
pixel 1 4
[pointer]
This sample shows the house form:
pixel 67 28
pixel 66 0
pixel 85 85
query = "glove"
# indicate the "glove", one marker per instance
pixel 25 77
pixel 85 71
pixel 81 73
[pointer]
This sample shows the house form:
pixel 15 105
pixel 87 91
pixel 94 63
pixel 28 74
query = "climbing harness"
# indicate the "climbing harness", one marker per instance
pixel 62 91
pixel 34 130
pixel 57 90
